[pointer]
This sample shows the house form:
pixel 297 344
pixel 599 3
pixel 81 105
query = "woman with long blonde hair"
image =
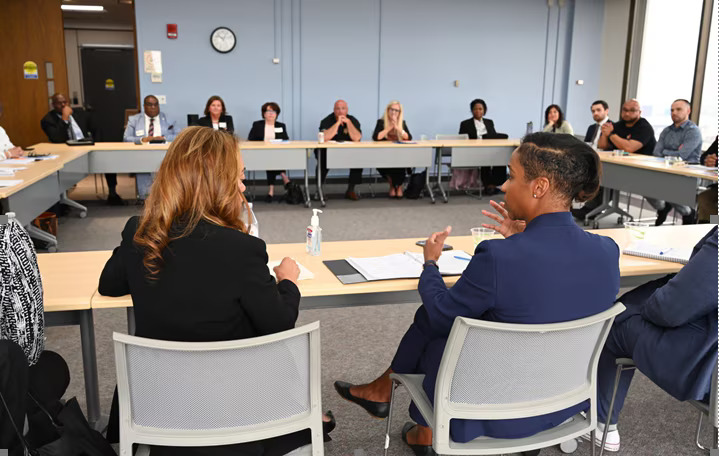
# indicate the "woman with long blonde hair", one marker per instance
pixel 192 269
pixel 392 127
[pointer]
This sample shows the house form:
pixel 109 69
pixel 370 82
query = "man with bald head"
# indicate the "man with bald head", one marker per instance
pixel 680 139
pixel 340 126
pixel 631 134
pixel 62 124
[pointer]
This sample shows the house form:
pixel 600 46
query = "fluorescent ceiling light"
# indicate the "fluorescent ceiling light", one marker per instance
pixel 86 8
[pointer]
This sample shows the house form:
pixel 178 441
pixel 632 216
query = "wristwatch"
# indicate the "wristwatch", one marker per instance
pixel 430 263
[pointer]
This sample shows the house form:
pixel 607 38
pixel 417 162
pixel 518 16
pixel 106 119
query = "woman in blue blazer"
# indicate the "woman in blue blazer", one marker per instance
pixel 670 331
pixel 534 275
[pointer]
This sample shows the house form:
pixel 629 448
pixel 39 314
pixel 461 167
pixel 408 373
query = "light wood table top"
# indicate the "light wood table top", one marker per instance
pixel 657 164
pixel 70 279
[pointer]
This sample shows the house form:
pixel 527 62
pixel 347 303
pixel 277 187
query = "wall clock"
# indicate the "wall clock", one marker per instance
pixel 223 40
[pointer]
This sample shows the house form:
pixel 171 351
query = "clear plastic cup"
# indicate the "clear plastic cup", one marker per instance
pixel 673 161
pixel 480 234
pixel 637 230
pixel 618 152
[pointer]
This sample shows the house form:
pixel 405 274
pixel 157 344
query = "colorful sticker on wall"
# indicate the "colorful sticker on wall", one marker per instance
pixel 109 84
pixel 29 70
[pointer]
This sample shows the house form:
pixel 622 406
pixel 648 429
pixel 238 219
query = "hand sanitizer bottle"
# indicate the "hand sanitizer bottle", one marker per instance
pixel 314 234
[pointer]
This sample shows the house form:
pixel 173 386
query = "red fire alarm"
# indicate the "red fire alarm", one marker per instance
pixel 172 31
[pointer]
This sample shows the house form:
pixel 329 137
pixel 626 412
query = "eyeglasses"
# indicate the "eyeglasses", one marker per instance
pixel 630 110
pixel 394 110
pixel 270 111
pixel 152 105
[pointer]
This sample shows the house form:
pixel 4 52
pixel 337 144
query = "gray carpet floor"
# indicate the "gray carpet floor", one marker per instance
pixel 358 343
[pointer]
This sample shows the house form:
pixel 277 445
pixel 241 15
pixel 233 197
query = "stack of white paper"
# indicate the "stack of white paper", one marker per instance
pixel 305 273
pixel 10 183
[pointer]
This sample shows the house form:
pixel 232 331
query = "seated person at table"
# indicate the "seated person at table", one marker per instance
pixel 532 276
pixel 600 114
pixel 479 127
pixel 62 124
pixel 266 130
pixel 554 121
pixel 7 149
pixel 631 134
pixel 681 139
pixel 392 127
pixel 192 269
pixel 707 200
pixel 340 126
pixel 216 116
pixel 152 125
pixel 670 331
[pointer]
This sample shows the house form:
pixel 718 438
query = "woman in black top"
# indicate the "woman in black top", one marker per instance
pixel 192 269
pixel 478 127
pixel 216 116
pixel 391 127
pixel 267 130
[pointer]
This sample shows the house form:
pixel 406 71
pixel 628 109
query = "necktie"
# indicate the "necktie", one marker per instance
pixel 70 130
pixel 151 131
pixel 597 132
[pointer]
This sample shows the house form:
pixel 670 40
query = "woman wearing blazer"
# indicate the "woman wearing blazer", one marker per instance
pixel 534 275
pixel 267 130
pixel 392 127
pixel 478 127
pixel 192 269
pixel 216 116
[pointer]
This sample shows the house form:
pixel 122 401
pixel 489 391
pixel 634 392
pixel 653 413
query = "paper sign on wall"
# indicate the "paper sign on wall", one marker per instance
pixel 153 61
pixel 29 70
pixel 156 77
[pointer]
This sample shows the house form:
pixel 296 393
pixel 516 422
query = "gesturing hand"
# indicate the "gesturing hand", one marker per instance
pixel 434 244
pixel 506 225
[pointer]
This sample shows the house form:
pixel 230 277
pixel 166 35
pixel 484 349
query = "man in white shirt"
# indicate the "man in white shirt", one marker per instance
pixel 7 149
pixel 152 125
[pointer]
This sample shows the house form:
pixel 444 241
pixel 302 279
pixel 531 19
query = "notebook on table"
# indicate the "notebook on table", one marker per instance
pixel 407 265
pixel 647 250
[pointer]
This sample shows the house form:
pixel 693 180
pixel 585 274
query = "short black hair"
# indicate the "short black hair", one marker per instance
pixel 685 101
pixel 572 167
pixel 271 104
pixel 480 101
pixel 144 100
pixel 560 120
pixel 604 104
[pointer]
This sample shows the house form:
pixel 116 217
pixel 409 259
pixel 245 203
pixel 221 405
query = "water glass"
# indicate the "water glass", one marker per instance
pixel 480 234
pixel 637 230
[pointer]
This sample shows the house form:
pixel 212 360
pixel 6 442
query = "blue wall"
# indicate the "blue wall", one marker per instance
pixel 519 55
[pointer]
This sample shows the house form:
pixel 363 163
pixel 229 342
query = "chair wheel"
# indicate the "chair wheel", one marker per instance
pixel 570 446
pixel 595 225
pixel 83 214
pixel 620 220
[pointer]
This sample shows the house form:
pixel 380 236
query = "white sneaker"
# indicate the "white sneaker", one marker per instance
pixel 612 443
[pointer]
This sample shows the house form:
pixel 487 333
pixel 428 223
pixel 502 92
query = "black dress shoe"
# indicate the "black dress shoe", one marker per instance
pixel 268 199
pixel 419 450
pixel 690 219
pixel 376 409
pixel 329 426
pixel 113 199
pixel 662 214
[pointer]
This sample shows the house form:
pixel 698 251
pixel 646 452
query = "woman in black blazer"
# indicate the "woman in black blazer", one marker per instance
pixel 216 116
pixel 202 278
pixel 392 127
pixel 267 130
pixel 492 176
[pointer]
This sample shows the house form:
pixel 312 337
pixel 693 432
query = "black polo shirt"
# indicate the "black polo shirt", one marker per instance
pixel 342 132
pixel 641 131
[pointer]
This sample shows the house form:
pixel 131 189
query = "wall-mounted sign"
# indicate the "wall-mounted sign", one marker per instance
pixel 109 84
pixel 29 70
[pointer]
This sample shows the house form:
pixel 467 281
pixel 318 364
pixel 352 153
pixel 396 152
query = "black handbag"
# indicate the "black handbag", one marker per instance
pixel 294 194
pixel 76 437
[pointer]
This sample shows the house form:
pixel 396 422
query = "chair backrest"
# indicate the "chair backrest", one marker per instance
pixel 495 370
pixel 129 113
pixel 192 119
pixel 217 393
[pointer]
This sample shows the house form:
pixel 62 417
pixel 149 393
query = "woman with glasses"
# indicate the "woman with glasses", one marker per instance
pixel 269 129
pixel 392 127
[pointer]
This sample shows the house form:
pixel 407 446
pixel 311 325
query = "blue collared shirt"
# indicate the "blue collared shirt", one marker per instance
pixel 683 141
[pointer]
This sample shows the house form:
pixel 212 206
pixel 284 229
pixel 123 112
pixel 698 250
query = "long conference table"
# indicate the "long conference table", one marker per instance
pixel 70 283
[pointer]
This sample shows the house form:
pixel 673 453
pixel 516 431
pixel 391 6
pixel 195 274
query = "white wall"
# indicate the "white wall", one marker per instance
pixel 76 39
pixel 613 52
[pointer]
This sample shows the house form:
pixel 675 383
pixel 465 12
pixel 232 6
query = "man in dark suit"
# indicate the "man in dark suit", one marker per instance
pixel 600 114
pixel 670 331
pixel 478 127
pixel 62 124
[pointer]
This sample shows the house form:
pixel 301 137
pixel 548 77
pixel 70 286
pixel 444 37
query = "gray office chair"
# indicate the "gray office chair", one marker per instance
pixel 445 152
pixel 551 367
pixel 219 393
pixel 710 410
